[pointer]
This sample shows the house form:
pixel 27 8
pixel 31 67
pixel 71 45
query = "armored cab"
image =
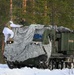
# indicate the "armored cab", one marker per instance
pixel 31 47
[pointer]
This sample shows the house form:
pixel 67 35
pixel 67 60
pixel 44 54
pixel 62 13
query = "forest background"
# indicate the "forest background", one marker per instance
pixel 47 12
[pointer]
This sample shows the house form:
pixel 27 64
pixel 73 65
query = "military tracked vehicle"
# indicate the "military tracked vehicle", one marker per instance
pixel 42 47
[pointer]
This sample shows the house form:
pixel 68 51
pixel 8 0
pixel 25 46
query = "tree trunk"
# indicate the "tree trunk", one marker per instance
pixel 33 10
pixel 45 12
pixel 10 9
pixel 24 6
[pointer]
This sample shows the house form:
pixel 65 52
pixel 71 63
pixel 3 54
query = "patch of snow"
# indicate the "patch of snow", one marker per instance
pixel 4 70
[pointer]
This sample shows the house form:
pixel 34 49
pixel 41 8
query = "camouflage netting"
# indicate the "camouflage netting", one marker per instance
pixel 24 47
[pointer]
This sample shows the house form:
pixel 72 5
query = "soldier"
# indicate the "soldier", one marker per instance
pixel 7 31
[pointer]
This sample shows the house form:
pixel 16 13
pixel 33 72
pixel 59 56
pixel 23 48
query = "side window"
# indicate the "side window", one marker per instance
pixel 38 36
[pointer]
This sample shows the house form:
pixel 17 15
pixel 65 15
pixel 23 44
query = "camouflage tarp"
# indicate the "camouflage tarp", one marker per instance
pixel 24 47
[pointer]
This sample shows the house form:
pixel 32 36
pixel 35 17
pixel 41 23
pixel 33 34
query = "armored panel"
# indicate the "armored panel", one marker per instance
pixel 67 42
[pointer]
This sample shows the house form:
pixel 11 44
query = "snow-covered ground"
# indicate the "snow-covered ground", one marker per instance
pixel 4 70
